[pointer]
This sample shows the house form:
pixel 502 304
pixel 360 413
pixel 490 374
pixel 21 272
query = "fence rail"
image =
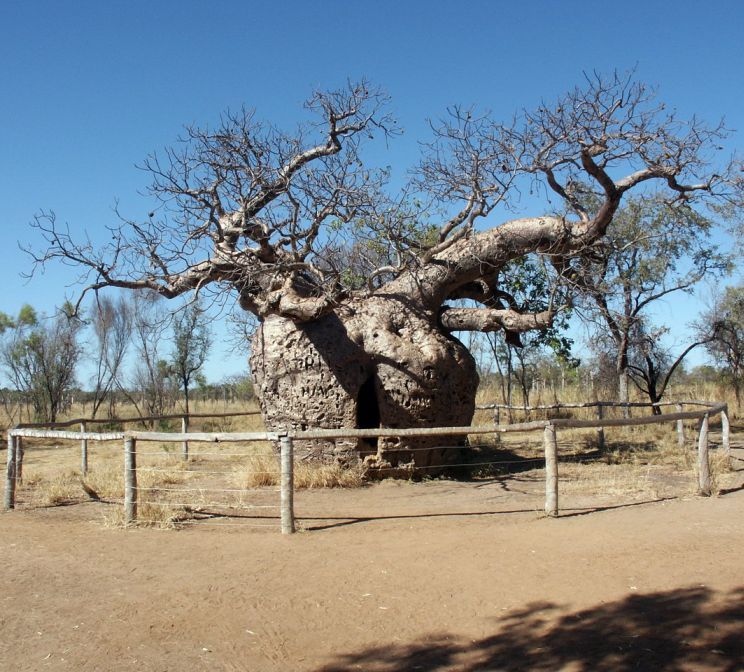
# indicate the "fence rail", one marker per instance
pixel 286 438
pixel 137 419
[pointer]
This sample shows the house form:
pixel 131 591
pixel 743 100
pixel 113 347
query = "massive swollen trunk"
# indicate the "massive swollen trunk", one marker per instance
pixel 371 363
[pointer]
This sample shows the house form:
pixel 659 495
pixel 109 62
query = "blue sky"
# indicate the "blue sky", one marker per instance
pixel 88 89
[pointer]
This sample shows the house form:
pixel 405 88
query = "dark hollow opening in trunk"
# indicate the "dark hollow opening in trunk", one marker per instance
pixel 368 413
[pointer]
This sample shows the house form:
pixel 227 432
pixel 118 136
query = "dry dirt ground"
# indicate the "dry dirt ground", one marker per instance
pixel 439 575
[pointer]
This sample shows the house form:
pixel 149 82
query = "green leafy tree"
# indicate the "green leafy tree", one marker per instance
pixel 652 250
pixel 519 358
pixel 40 356
pixel 723 324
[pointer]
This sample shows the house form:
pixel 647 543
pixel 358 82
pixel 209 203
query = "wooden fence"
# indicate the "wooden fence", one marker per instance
pixel 703 411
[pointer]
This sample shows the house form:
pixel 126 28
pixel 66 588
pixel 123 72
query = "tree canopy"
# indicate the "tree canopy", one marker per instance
pixel 722 326
pixel 270 213
pixel 40 356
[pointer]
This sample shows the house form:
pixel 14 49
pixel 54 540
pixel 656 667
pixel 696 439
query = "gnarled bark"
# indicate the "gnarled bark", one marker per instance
pixel 374 363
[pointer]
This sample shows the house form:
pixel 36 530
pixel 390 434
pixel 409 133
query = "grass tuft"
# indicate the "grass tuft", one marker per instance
pixel 310 476
pixel 263 470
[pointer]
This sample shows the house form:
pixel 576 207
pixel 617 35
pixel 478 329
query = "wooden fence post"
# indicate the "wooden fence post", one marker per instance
pixel 10 475
pixel 130 481
pixel 725 432
pixel 287 484
pixel 184 430
pixel 83 452
pixel 680 428
pixel 600 430
pixel 550 445
pixel 19 452
pixel 704 485
pixel 496 415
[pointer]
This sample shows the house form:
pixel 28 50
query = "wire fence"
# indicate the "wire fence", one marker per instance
pixel 228 483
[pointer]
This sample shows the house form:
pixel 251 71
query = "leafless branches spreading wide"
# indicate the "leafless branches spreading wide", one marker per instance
pixel 280 217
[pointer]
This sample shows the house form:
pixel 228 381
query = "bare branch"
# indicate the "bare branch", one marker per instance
pixel 247 206
pixel 491 319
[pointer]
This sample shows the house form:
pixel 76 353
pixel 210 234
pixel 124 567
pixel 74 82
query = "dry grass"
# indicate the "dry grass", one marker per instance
pixel 235 424
pixel 637 463
pixel 107 481
pixel 60 489
pixel 263 470
pixel 49 479
pixel 486 394
pixel 666 472
pixel 309 475
pixel 257 471
pixel 576 394
pixel 148 515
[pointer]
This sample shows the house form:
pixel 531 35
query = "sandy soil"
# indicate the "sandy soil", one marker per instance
pixel 397 576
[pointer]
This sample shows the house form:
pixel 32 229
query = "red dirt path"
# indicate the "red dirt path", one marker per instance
pixel 441 576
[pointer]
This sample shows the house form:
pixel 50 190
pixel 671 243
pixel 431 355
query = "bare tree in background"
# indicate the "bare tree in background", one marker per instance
pixel 191 342
pixel 651 366
pixel 246 208
pixel 150 389
pixel 112 331
pixel 241 327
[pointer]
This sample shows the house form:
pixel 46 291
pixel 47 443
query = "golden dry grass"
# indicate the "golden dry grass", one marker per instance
pixel 60 489
pixel 637 463
pixel 489 393
pixel 309 475
pixel 263 470
pixel 486 394
pixel 148 515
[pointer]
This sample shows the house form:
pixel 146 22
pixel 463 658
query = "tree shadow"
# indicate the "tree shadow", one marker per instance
pixel 492 462
pixel 728 491
pixel 329 522
pixel 684 629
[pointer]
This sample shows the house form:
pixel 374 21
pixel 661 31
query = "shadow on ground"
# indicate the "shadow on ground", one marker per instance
pixel 329 522
pixel 685 629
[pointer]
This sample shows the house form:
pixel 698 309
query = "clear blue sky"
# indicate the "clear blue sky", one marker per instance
pixel 88 89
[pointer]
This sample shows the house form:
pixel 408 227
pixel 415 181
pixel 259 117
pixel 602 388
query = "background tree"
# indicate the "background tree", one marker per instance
pixel 723 327
pixel 11 399
pixel 652 249
pixel 150 387
pixel 40 357
pixel 111 324
pixel 237 386
pixel 248 208
pixel 526 287
pixel 241 327
pixel 651 366
pixel 191 342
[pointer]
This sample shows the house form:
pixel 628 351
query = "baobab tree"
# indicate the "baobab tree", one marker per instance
pixel 277 218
